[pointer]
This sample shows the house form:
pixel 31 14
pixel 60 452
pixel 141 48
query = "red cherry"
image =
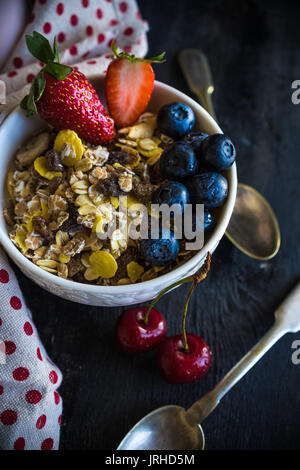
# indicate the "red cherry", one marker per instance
pixel 133 335
pixel 179 366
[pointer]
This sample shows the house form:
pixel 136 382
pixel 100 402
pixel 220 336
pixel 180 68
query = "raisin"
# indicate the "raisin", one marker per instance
pixel 130 254
pixel 109 187
pixel 74 265
pixel 40 225
pixel 143 191
pixel 155 175
pixel 54 161
pixel 118 157
pixel 54 183
pixel 71 226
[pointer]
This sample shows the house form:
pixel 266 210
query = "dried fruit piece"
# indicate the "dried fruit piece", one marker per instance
pixel 54 161
pixel 135 271
pixel 33 148
pixel 40 165
pixel 115 201
pixel 64 258
pixel 98 224
pixel 69 145
pixel 142 191
pixel 104 264
pixel 20 239
pixel 109 187
pixel 41 225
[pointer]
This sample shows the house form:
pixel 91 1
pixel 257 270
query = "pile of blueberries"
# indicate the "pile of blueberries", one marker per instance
pixel 192 167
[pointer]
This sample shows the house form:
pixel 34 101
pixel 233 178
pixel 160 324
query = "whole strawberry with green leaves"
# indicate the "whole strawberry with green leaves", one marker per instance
pixel 64 97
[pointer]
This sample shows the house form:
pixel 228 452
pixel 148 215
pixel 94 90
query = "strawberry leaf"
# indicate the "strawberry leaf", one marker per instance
pixel 132 58
pixel 39 85
pixel 40 47
pixel 28 103
pixel 55 49
pixel 58 71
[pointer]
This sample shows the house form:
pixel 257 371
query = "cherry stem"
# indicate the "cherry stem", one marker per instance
pixel 185 344
pixel 163 292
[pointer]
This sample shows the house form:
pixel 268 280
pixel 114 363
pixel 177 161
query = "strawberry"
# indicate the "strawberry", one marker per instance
pixel 128 86
pixel 64 97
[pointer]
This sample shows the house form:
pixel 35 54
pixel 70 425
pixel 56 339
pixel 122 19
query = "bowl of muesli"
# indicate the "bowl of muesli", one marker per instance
pixel 52 214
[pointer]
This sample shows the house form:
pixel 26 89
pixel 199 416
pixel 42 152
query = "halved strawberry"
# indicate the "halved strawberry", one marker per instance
pixel 128 86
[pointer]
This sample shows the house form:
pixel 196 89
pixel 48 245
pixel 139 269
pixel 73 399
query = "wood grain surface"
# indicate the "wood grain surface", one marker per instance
pixel 253 49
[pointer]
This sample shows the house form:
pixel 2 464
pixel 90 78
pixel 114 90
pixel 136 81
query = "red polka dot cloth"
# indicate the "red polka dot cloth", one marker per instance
pixel 30 406
pixel 84 30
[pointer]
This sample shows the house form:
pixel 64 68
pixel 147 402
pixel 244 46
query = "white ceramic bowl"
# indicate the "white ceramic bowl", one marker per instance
pixel 17 128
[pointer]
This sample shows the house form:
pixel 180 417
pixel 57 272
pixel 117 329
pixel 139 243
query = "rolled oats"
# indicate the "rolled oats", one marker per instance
pixel 125 182
pixel 66 195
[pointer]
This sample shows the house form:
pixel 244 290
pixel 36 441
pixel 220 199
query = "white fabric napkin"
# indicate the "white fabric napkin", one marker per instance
pixel 30 406
pixel 84 30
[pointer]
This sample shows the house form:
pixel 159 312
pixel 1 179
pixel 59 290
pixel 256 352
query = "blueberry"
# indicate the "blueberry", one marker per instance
pixel 161 250
pixel 210 189
pixel 175 120
pixel 217 153
pixel 178 161
pixel 209 221
pixel 170 193
pixel 195 139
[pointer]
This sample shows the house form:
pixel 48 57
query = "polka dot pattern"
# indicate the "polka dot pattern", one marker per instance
pixel 89 30
pixel 74 20
pixel 47 28
pixel 61 37
pixel 18 62
pixel 47 444
pixel 73 50
pixel 28 330
pixel 41 422
pixel 53 377
pixel 123 6
pixel 33 397
pixel 60 8
pixel 10 347
pixel 30 406
pixel 15 302
pixel 20 374
pixel 19 443
pixel 4 276
pixel 8 417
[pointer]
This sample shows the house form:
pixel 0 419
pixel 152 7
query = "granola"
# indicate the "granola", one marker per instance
pixel 65 194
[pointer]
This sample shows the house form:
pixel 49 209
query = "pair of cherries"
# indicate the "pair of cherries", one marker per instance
pixel 181 358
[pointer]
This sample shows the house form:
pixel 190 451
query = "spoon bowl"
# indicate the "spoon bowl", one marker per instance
pixel 166 428
pixel 253 227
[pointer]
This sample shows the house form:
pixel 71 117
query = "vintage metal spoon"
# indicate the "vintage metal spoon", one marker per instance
pixel 253 227
pixel 174 428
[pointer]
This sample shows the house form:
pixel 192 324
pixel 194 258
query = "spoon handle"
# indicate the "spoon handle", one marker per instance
pixel 206 101
pixel 203 407
pixel 287 319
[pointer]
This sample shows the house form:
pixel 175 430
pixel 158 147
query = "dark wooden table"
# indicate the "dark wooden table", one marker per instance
pixel 253 48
